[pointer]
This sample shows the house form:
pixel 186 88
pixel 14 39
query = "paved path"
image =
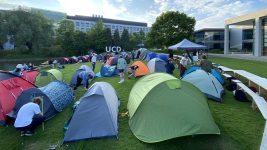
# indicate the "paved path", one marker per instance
pixel 240 56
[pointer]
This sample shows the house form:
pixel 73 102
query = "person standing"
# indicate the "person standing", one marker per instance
pixel 128 60
pixel 182 65
pixel 121 65
pixel 26 120
pixel 83 78
pixel 93 61
pixel 205 64
pixel 55 63
pixel 133 55
pixel 169 66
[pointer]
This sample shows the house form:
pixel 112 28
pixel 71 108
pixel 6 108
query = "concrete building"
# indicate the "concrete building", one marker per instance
pixel 253 32
pixel 85 23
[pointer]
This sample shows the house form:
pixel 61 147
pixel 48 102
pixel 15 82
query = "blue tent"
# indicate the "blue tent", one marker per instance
pixel 108 71
pixel 149 56
pixel 95 114
pixel 73 80
pixel 163 57
pixel 185 44
pixel 57 95
pixel 214 72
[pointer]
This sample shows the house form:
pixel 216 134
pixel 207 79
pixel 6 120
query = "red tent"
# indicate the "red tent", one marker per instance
pixel 11 86
pixel 30 75
pixel 64 61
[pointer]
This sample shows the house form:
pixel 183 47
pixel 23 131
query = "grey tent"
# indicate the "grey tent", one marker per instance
pixel 143 52
pixel 73 80
pixel 185 44
pixel 207 83
pixel 156 65
pixel 137 53
pixel 95 114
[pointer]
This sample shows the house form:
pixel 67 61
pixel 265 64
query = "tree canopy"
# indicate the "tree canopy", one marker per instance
pixel 96 36
pixel 170 28
pixel 116 38
pixel 27 27
pixel 125 40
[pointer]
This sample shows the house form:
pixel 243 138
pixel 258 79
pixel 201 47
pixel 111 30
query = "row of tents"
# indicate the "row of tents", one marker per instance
pixel 170 107
pixel 74 59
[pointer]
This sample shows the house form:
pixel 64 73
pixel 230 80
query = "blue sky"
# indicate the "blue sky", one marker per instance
pixel 208 13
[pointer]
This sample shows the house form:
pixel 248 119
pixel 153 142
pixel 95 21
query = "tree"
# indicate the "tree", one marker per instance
pixel 170 28
pixel 97 37
pixel 134 40
pixel 125 40
pixel 65 36
pixel 142 36
pixel 116 38
pixel 80 43
pixel 27 27
pixel 3 39
pixel 108 37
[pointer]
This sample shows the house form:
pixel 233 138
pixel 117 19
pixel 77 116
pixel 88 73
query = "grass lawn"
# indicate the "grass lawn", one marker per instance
pixel 240 126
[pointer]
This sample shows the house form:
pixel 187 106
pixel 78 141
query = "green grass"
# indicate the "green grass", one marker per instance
pixel 240 126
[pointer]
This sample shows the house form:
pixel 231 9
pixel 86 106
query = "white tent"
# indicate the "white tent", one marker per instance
pixel 185 44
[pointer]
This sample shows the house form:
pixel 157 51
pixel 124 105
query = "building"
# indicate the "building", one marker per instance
pixel 85 23
pixel 253 32
pixel 50 14
pixel 213 38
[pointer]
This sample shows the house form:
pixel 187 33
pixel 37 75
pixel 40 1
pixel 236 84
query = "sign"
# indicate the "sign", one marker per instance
pixel 113 49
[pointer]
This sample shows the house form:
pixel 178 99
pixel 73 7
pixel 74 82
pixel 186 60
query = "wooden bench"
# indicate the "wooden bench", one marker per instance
pixel 225 69
pixel 236 81
pixel 225 75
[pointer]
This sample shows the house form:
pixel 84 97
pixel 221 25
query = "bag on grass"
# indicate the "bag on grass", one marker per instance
pixel 240 96
pixel 232 86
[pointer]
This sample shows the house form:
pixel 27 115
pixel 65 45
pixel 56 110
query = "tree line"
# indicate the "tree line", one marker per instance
pixel 42 36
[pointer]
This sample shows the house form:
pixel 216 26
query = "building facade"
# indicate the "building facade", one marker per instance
pixel 85 23
pixel 213 38
pixel 253 36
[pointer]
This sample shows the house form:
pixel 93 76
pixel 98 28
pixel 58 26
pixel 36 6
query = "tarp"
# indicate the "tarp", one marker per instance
pixel 185 44
pixel 142 70
pixel 214 72
pixel 207 83
pixel 162 107
pixel 30 75
pixel 156 65
pixel 10 88
pixel 46 77
pixel 95 114
pixel 57 95
pixel 73 80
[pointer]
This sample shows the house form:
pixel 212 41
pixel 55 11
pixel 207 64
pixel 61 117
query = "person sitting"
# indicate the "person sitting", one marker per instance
pixel 205 64
pixel 83 78
pixel 50 63
pixel 133 69
pixel 31 66
pixel 25 67
pixel 169 66
pixel 18 70
pixel 25 119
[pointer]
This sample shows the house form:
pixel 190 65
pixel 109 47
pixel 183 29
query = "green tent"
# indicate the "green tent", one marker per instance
pixel 162 107
pixel 45 77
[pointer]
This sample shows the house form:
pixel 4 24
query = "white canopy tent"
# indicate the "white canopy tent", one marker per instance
pixel 185 44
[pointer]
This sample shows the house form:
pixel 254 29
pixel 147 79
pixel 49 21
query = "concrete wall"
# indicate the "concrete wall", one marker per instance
pixel 236 38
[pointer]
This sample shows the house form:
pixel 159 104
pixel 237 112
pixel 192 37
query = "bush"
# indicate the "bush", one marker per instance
pixel 216 51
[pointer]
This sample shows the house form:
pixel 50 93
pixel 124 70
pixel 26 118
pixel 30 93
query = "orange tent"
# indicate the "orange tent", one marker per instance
pixel 142 70
pixel 112 61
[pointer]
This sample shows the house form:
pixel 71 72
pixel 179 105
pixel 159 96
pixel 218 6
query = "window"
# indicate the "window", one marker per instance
pixel 120 28
pixel 82 24
pixel 87 24
pixel 138 29
pixel 124 27
pixel 130 28
pixel 91 24
pixel 82 29
pixel 109 26
pixel 116 27
pixel 113 27
pixel 134 29
pixel 87 29
pixel 77 24
pixel 113 31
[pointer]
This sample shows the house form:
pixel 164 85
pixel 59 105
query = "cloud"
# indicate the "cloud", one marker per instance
pixel 89 7
pixel 150 17
pixel 5 5
pixel 164 4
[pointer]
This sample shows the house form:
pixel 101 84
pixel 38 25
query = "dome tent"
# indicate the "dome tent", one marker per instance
pixel 45 77
pixel 207 83
pixel 108 71
pixel 149 56
pixel 30 75
pixel 73 80
pixel 143 52
pixel 214 72
pixel 96 114
pixel 142 70
pixel 64 61
pixel 170 107
pixel 11 86
pixel 163 57
pixel 156 65
pixel 57 95
pixel 112 61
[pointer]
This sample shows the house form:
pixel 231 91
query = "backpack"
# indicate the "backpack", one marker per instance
pixel 240 96
pixel 232 86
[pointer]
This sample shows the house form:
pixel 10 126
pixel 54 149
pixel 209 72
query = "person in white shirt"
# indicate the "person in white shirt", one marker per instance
pixel 93 61
pixel 55 63
pixel 182 65
pixel 25 119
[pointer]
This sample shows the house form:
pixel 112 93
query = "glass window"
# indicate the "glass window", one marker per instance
pixel 124 27
pixel 87 29
pixel 130 28
pixel 120 28
pixel 113 31
pixel 82 24
pixel 113 27
pixel 138 29
pixel 134 29
pixel 82 29
pixel 109 26
pixel 87 24
pixel 91 24
pixel 116 27
pixel 77 23
pixel 247 34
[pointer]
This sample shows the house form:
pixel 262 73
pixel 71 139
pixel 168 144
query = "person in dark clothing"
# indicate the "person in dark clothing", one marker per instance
pixel 133 69
pixel 83 78
pixel 169 66
pixel 133 55
pixel 128 60
pixel 171 55
pixel 206 64
pixel 105 58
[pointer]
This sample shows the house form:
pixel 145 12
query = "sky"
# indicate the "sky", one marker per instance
pixel 208 13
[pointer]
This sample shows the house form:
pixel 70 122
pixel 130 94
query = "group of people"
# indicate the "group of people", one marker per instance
pixel 19 68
